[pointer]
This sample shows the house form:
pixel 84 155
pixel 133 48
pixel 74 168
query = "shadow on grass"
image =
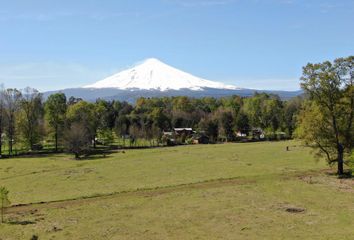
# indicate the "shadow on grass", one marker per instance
pixel 96 156
pixel 31 155
pixel 23 223
pixel 92 155
pixel 346 175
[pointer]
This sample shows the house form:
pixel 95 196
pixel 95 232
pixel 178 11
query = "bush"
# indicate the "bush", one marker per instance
pixel 105 137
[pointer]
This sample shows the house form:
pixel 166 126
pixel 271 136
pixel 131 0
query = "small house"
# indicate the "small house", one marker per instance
pixel 183 131
pixel 241 134
pixel 257 133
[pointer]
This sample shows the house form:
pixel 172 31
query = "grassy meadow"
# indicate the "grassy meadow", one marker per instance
pixel 224 191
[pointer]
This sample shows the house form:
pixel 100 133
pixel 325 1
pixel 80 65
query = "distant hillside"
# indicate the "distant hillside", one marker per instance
pixel 91 94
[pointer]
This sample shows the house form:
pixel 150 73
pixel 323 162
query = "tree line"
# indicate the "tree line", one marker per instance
pixel 26 120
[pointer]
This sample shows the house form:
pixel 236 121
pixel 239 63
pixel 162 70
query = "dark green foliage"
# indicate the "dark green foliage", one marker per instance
pixel 4 202
pixel 242 123
pixel 209 127
pixel 12 98
pixel 55 108
pixel 34 237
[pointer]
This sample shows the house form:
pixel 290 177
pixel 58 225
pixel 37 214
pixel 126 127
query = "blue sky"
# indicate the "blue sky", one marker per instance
pixel 249 43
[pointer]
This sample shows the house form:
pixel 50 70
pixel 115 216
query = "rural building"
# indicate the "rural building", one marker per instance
pixel 183 131
pixel 169 134
pixel 257 133
pixel 181 135
pixel 241 134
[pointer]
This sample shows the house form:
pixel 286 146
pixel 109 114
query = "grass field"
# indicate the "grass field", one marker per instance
pixel 228 191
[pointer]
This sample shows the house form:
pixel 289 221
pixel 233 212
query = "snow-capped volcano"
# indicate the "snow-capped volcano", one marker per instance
pixel 153 74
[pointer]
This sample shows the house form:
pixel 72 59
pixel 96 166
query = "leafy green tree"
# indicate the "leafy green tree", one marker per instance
pixel 31 116
pixel 4 201
pixel 89 115
pixel 98 123
pixel 183 104
pixel 55 110
pixel 264 111
pixel 121 127
pixel 12 98
pixel 207 104
pixel 181 118
pixel 326 123
pixel 77 139
pixel 225 121
pixel 156 133
pixel 134 133
pixel 233 103
pixel 2 117
pixel 242 123
pixel 272 112
pixel 209 126
pixel 159 119
pixel 109 113
pixel 146 131
pixel 253 109
pixel 292 108
pixel 105 136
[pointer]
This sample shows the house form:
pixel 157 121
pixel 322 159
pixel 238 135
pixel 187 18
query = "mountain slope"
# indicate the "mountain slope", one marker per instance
pixel 153 74
pixel 153 78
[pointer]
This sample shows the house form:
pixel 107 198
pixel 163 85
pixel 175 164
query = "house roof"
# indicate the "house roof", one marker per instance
pixel 183 129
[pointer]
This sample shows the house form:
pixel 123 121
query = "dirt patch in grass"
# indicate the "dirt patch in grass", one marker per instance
pixel 295 209
pixel 343 184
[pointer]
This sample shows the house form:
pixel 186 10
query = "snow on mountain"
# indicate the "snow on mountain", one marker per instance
pixel 153 74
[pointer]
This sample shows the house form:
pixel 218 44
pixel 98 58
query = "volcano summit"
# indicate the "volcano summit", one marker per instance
pixel 153 74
